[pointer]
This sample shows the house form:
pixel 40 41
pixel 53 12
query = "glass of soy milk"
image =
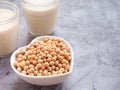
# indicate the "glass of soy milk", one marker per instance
pixel 40 15
pixel 8 28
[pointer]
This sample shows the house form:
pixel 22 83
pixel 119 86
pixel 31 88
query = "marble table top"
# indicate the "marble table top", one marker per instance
pixel 93 29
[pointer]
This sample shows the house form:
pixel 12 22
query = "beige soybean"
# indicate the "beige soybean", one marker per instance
pixel 46 57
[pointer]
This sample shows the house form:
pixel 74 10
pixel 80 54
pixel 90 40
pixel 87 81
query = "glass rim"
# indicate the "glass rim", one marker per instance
pixel 15 9
pixel 42 3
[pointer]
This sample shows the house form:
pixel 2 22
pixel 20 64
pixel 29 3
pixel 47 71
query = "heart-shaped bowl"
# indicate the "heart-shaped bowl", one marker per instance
pixel 43 80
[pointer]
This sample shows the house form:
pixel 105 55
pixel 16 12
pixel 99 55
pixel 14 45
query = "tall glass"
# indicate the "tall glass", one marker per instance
pixel 8 27
pixel 40 15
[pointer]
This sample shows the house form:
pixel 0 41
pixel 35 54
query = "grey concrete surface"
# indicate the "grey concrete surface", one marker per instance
pixel 93 29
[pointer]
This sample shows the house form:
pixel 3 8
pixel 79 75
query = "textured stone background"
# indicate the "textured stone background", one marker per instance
pixel 93 29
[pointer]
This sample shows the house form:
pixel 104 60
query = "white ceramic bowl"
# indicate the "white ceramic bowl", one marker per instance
pixel 43 80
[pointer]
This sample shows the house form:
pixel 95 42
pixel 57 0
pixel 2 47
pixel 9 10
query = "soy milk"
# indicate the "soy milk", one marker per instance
pixel 8 31
pixel 40 15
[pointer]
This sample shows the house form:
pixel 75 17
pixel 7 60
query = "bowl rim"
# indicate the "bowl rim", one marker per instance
pixel 12 59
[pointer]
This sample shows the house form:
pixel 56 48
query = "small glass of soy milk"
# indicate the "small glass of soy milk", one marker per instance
pixel 8 27
pixel 41 15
